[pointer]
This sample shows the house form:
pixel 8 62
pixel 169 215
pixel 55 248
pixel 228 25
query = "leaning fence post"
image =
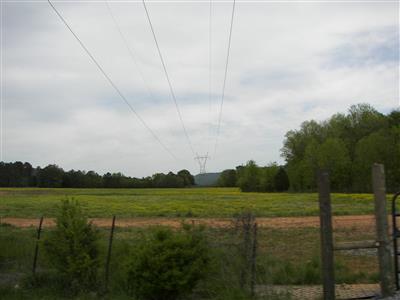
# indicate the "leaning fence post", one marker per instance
pixel 253 260
pixel 109 253
pixel 328 275
pixel 384 255
pixel 35 256
pixel 246 220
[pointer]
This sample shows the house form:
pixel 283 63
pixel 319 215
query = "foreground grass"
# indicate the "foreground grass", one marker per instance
pixel 285 257
pixel 190 202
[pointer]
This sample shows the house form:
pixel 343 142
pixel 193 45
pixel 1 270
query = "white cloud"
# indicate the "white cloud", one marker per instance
pixel 284 69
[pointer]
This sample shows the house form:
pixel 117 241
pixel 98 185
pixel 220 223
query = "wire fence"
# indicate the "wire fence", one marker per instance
pixel 266 258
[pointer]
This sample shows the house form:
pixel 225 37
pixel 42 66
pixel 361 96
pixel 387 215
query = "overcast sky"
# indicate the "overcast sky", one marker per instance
pixel 289 62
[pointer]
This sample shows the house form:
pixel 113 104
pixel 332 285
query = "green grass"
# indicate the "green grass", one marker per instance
pixel 193 202
pixel 285 256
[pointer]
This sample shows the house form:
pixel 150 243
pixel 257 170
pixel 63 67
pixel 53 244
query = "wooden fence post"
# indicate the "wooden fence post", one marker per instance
pixel 245 253
pixel 382 232
pixel 109 253
pixel 253 261
pixel 328 276
pixel 35 256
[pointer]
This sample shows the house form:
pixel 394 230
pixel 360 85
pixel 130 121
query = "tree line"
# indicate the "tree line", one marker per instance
pixel 253 178
pixel 346 145
pixel 20 174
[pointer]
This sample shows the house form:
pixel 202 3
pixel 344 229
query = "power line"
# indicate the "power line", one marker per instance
pixel 225 75
pixel 130 49
pixel 209 72
pixel 168 79
pixel 1 85
pixel 111 82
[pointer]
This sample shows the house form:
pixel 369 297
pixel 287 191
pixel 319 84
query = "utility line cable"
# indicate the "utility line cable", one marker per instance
pixel 130 49
pixel 1 85
pixel 209 73
pixel 111 82
pixel 225 75
pixel 168 80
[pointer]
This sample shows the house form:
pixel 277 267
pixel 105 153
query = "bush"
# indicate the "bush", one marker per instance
pixel 168 265
pixel 72 248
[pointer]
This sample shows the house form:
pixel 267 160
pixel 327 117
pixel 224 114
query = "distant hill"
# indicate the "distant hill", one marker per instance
pixel 206 179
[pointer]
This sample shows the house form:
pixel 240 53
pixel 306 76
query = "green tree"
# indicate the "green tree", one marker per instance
pixel 333 156
pixel 364 120
pixel 294 173
pixel 173 181
pixel 16 174
pixel 336 144
pixel 188 179
pixel 267 178
pixel 227 178
pixel 239 173
pixel 394 118
pixel 250 179
pixel 295 143
pixel 281 180
pixel 93 180
pixel 51 176
pixel 378 147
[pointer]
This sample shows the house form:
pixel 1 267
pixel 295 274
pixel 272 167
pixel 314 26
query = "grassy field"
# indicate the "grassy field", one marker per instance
pixel 190 202
pixel 285 256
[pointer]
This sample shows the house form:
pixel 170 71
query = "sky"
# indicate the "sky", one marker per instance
pixel 289 62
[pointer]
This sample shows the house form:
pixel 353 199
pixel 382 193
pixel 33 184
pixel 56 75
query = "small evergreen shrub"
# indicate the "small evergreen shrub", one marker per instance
pixel 72 249
pixel 168 265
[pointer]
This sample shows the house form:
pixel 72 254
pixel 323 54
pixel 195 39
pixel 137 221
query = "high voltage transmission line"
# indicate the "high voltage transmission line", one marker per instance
pixel 224 82
pixel 209 77
pixel 168 80
pixel 130 50
pixel 201 159
pixel 1 85
pixel 111 82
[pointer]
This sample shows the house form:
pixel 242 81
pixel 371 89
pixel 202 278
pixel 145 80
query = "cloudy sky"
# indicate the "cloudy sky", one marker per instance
pixel 289 62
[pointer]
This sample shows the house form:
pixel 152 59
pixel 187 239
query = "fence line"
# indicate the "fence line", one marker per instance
pixel 35 256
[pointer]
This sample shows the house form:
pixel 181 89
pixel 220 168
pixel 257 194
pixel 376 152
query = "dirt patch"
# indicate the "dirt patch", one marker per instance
pixel 343 291
pixel 362 221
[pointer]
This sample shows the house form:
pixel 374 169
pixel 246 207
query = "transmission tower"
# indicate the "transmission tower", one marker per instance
pixel 202 160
